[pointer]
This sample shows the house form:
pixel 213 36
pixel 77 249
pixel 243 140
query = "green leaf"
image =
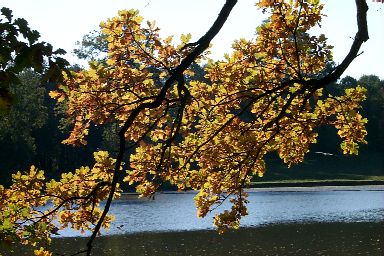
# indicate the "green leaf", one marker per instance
pixel 7 13
pixel 23 27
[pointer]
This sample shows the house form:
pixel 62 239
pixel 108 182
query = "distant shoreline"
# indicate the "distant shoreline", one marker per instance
pixel 317 183
pixel 289 187
pixel 324 187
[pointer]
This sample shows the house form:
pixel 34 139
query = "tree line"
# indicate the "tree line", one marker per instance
pixel 35 127
pixel 33 131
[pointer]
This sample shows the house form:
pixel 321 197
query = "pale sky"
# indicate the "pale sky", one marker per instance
pixel 62 23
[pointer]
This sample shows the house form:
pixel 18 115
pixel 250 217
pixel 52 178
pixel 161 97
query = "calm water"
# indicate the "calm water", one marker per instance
pixel 332 223
pixel 177 212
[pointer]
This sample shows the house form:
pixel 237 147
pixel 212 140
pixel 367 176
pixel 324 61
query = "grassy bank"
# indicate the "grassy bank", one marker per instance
pixel 332 239
pixel 318 167
pixel 369 180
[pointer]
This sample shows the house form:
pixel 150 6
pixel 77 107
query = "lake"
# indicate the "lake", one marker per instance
pixel 177 212
pixel 288 221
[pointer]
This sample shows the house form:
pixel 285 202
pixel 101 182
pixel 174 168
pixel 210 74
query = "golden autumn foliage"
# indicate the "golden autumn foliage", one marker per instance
pixel 203 143
pixel 210 136
pixel 30 206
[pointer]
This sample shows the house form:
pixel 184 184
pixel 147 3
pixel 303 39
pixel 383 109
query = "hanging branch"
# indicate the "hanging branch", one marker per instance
pixel 200 46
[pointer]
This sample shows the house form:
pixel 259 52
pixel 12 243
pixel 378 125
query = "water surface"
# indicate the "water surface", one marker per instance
pixel 177 212
pixel 332 223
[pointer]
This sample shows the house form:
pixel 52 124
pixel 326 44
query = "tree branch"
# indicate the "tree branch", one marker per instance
pixel 203 44
pixel 360 37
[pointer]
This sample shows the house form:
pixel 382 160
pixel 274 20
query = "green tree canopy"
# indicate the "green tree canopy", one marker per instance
pixel 20 49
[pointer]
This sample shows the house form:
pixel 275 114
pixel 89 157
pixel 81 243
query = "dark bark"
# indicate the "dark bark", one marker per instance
pixel 200 46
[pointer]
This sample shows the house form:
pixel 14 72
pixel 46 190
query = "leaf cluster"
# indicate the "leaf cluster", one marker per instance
pixel 21 49
pixel 33 208
pixel 213 135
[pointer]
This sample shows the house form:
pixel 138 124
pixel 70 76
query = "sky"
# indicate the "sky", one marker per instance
pixel 62 23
